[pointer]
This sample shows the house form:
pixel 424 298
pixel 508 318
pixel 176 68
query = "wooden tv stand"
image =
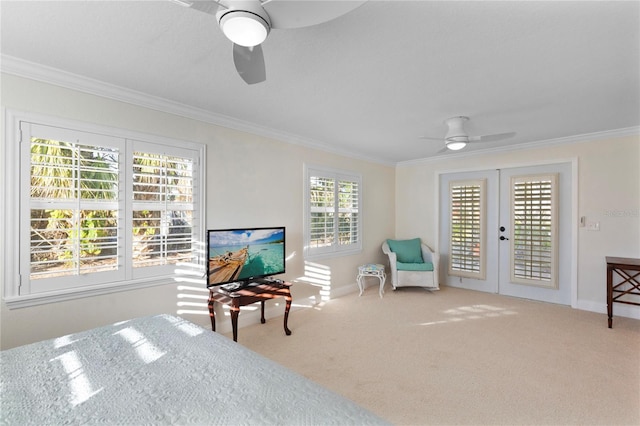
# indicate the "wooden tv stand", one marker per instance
pixel 259 292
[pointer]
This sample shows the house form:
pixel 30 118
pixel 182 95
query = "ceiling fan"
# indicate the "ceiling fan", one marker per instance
pixel 457 137
pixel 247 24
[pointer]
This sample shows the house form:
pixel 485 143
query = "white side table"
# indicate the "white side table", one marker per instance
pixel 371 270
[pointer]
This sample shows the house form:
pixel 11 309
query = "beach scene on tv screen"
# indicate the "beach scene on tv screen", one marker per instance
pixel 241 254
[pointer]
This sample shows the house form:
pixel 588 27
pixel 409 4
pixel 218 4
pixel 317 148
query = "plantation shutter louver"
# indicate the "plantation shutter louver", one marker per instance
pixel 348 212
pixel 74 208
pixel 162 209
pixel 534 218
pixel 322 198
pixel 467 245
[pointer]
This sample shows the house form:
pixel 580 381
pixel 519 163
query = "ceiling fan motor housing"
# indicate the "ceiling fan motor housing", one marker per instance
pixel 456 132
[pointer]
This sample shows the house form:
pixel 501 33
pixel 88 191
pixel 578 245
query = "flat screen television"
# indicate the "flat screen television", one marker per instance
pixel 244 255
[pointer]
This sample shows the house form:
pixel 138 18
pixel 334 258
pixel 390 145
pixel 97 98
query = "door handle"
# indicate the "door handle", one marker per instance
pixel 502 238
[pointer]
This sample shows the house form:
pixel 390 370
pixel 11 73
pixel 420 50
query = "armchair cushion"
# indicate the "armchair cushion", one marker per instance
pixel 426 266
pixel 407 251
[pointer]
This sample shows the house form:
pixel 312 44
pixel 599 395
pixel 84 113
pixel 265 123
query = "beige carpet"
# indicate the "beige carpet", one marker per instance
pixel 463 357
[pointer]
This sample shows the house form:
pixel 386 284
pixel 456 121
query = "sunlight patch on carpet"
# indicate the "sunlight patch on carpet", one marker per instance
pixel 473 312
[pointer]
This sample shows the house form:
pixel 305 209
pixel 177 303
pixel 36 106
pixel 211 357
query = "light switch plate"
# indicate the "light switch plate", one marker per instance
pixel 593 226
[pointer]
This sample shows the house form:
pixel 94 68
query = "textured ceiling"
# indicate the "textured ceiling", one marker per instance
pixel 368 83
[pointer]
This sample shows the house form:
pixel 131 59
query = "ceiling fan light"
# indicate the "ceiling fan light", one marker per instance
pixel 244 28
pixel 456 145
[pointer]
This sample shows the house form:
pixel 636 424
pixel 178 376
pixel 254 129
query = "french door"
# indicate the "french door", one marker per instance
pixel 508 231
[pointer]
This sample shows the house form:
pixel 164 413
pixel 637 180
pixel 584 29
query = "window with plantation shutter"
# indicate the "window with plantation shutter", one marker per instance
pixel 467 221
pixel 348 203
pixel 322 211
pixel 162 209
pixel 98 211
pixel 332 212
pixel 74 208
pixel 533 221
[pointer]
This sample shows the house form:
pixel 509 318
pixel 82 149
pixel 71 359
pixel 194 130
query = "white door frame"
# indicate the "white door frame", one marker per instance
pixel 574 210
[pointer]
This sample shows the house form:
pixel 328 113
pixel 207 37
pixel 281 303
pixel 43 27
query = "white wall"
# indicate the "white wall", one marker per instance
pixel 608 192
pixel 251 181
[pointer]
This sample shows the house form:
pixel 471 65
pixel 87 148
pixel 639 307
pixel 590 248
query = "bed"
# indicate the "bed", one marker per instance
pixel 160 370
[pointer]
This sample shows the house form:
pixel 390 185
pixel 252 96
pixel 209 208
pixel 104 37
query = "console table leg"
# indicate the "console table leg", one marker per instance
pixel 262 320
pixel 610 295
pixel 286 315
pixel 235 311
pixel 212 313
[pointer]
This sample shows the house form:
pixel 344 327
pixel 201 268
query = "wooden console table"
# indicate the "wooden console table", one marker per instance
pixel 623 267
pixel 246 296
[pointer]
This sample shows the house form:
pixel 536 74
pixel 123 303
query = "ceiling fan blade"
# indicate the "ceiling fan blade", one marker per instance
pixel 249 62
pixel 297 14
pixel 445 149
pixel 432 139
pixel 492 138
pixel 206 6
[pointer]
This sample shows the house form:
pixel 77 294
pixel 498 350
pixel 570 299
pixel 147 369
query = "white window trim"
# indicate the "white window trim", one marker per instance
pixel 334 250
pixel 10 211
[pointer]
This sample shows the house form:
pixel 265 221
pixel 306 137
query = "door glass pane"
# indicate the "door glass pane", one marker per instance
pixel 533 221
pixel 467 245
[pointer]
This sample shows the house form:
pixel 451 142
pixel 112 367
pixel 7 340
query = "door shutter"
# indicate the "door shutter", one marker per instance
pixel 467 221
pixel 534 248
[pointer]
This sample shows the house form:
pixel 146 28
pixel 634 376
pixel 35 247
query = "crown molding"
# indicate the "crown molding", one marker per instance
pixel 586 137
pixel 31 70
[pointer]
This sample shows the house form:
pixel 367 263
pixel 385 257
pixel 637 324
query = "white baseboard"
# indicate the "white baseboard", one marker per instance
pixel 619 309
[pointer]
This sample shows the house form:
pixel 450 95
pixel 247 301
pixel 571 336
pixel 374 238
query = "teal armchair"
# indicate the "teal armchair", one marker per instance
pixel 412 264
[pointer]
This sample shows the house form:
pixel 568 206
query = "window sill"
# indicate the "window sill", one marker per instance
pixel 17 302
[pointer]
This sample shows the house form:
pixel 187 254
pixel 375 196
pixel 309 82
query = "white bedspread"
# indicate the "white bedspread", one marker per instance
pixel 160 370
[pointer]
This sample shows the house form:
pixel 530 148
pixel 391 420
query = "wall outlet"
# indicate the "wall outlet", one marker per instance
pixel 593 226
